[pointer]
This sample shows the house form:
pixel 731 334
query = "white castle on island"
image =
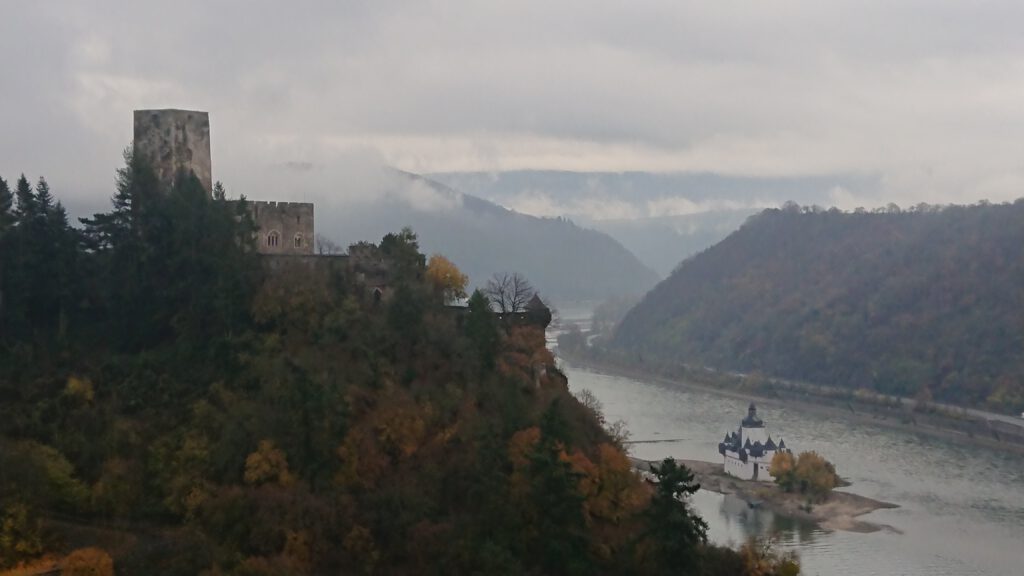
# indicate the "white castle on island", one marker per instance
pixel 748 452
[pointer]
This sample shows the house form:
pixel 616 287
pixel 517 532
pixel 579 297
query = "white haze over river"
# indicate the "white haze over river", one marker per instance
pixel 961 507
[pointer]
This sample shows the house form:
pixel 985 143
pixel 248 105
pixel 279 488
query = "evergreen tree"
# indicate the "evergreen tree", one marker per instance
pixel 675 532
pixel 6 221
pixel 64 260
pixel 44 199
pixel 17 267
pixel 114 229
pixel 482 329
pixel 561 526
pixel 403 250
pixel 118 253
pixel 6 207
pixel 26 201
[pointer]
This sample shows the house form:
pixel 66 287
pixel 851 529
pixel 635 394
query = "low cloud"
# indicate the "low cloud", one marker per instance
pixel 599 208
pixel 926 95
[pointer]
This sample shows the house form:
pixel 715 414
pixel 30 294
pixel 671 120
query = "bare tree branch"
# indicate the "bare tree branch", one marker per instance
pixel 509 293
pixel 325 245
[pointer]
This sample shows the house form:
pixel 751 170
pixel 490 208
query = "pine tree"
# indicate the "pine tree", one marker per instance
pixel 18 260
pixel 44 199
pixel 6 220
pixel 108 230
pixel 64 256
pixel 6 206
pixel 26 206
pixel 482 329
pixel 674 530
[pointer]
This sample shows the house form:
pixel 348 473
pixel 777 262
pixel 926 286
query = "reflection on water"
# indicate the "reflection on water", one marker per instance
pixel 731 521
pixel 961 508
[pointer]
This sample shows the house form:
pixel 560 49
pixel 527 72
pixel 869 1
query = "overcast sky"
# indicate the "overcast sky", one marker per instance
pixel 927 95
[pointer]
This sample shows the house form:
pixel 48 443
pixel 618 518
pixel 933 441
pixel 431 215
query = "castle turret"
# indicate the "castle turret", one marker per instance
pixel 173 141
pixel 752 421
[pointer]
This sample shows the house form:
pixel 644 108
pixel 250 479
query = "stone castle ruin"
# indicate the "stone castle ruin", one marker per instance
pixel 176 141
pixel 284 227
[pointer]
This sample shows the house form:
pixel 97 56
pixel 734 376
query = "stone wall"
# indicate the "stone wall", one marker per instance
pixel 284 227
pixel 174 140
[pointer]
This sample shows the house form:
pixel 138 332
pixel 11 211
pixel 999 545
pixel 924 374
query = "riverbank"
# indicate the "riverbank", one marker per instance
pixel 959 428
pixel 839 511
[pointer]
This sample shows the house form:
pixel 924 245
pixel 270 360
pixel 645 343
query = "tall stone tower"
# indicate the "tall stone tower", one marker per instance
pixel 173 140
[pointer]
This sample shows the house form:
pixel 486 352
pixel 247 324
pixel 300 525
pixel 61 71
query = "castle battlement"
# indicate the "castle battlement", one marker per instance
pixel 284 227
pixel 281 204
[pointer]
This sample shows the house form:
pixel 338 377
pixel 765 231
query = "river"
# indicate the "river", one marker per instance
pixel 961 507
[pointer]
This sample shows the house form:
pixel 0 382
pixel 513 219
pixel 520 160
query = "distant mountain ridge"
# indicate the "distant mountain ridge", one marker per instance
pixel 660 217
pixel 926 303
pixel 563 261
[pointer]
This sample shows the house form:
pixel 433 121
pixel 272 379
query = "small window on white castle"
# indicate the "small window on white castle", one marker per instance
pixel 273 239
pixel 298 240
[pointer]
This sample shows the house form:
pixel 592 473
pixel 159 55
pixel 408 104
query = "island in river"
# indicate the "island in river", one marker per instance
pixel 839 511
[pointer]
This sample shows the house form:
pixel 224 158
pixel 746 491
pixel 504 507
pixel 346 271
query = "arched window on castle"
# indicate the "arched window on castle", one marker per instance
pixel 273 239
pixel 298 240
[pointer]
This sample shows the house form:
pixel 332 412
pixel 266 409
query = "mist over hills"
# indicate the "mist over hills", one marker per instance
pixel 921 303
pixel 663 218
pixel 562 260
pixel 665 241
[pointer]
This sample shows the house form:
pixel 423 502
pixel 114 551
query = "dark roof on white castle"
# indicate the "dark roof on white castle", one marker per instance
pixel 736 442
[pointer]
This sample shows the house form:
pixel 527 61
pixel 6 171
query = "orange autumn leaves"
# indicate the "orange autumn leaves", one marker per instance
pixel 610 490
pixel 395 429
pixel 446 278
pixel 525 356
pixel 809 474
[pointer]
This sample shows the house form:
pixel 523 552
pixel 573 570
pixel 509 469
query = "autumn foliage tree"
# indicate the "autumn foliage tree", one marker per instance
pixel 809 474
pixel 88 562
pixel 761 558
pixel 446 278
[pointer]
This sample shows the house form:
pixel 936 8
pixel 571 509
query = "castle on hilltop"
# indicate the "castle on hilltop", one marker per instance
pixel 178 141
pixel 748 452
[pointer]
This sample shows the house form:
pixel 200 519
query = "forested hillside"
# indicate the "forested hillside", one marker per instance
pixel 926 302
pixel 169 405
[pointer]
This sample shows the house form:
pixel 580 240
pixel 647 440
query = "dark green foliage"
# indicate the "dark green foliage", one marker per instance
pixel 6 206
pixel 482 329
pixel 181 264
pixel 894 301
pixel 561 540
pixel 403 251
pixel 38 265
pixel 674 531
pixel 26 207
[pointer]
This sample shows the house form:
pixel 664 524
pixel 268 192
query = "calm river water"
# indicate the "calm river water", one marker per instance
pixel 961 508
